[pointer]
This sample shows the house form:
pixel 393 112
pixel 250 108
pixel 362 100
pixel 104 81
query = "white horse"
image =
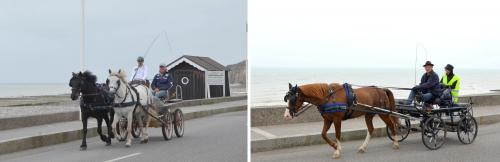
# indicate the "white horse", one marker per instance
pixel 128 98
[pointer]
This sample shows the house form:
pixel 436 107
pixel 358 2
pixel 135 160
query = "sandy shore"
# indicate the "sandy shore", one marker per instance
pixel 35 105
pixel 34 100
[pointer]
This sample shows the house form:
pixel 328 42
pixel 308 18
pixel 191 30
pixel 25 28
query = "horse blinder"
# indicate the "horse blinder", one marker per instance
pixel 292 96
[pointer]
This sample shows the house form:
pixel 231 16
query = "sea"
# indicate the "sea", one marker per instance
pixel 13 90
pixel 10 90
pixel 269 85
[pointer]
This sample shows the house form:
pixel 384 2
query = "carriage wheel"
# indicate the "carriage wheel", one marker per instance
pixel 121 129
pixel 136 129
pixel 179 123
pixel 433 133
pixel 467 129
pixel 167 127
pixel 403 130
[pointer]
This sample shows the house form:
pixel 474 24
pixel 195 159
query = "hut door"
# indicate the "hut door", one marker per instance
pixel 186 81
pixel 192 83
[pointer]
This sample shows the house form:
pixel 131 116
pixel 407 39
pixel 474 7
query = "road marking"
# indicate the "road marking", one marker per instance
pixel 123 157
pixel 263 132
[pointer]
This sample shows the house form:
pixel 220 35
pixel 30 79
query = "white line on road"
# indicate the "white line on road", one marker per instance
pixel 123 157
pixel 263 132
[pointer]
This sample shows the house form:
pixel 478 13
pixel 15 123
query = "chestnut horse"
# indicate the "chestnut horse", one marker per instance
pixel 321 94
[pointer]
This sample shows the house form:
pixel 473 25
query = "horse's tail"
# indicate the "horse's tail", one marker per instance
pixel 392 102
pixel 392 105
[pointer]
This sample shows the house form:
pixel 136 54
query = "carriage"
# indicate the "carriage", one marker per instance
pixel 170 119
pixel 435 120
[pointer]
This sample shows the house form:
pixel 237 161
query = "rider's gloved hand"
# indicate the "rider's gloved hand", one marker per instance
pixel 415 88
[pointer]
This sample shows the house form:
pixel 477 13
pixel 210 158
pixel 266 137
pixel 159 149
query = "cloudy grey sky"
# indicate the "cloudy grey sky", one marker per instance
pixel 373 34
pixel 40 40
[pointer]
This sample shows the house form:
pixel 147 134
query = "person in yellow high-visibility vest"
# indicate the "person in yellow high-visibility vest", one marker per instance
pixel 451 80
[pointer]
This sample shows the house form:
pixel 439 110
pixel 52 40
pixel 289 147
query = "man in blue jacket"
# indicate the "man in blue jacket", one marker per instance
pixel 162 83
pixel 429 85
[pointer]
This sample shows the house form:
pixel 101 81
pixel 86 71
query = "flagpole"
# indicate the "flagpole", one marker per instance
pixel 82 44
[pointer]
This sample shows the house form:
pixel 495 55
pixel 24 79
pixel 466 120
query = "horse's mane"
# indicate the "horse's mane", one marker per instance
pixel 89 77
pixel 316 90
pixel 121 74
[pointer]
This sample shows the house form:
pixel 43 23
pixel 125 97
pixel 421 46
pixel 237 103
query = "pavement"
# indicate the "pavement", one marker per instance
pixel 212 106
pixel 18 139
pixel 266 138
pixel 485 148
pixel 77 125
pixel 220 137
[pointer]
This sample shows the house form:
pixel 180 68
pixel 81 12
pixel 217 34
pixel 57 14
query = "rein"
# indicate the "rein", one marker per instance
pixel 91 94
pixel 373 86
pixel 302 109
pixel 126 104
pixel 127 92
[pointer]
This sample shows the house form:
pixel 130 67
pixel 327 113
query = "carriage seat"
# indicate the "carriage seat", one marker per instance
pixel 445 100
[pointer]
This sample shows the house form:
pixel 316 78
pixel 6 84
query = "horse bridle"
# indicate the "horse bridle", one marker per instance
pixel 119 82
pixel 118 87
pixel 80 88
pixel 293 94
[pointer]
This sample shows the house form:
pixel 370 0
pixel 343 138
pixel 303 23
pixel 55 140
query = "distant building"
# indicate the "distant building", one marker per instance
pixel 199 77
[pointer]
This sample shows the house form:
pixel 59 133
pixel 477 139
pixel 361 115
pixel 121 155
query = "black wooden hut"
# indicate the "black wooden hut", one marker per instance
pixel 199 77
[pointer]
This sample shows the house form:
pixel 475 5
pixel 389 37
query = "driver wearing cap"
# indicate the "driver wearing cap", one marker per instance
pixel 140 72
pixel 162 83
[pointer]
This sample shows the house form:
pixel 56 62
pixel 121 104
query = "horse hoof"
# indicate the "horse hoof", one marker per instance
pixel 336 155
pixel 83 148
pixel 361 150
pixel 144 141
pixel 395 146
pixel 127 145
pixel 108 144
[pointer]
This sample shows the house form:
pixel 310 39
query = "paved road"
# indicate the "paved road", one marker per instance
pixel 220 137
pixel 486 148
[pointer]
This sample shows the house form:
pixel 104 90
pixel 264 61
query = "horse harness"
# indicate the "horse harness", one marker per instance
pixel 104 94
pixel 332 107
pixel 351 104
pixel 133 102
pixel 328 107
pixel 128 92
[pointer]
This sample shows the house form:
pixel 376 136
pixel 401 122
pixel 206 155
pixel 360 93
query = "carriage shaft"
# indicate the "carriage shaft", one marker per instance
pixel 389 112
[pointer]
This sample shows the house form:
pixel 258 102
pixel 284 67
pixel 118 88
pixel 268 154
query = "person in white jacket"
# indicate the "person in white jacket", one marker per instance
pixel 140 72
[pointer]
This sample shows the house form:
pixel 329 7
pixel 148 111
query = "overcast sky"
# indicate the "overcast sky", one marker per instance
pixel 40 40
pixel 373 34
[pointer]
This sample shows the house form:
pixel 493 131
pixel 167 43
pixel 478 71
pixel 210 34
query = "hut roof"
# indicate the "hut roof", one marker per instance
pixel 201 63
